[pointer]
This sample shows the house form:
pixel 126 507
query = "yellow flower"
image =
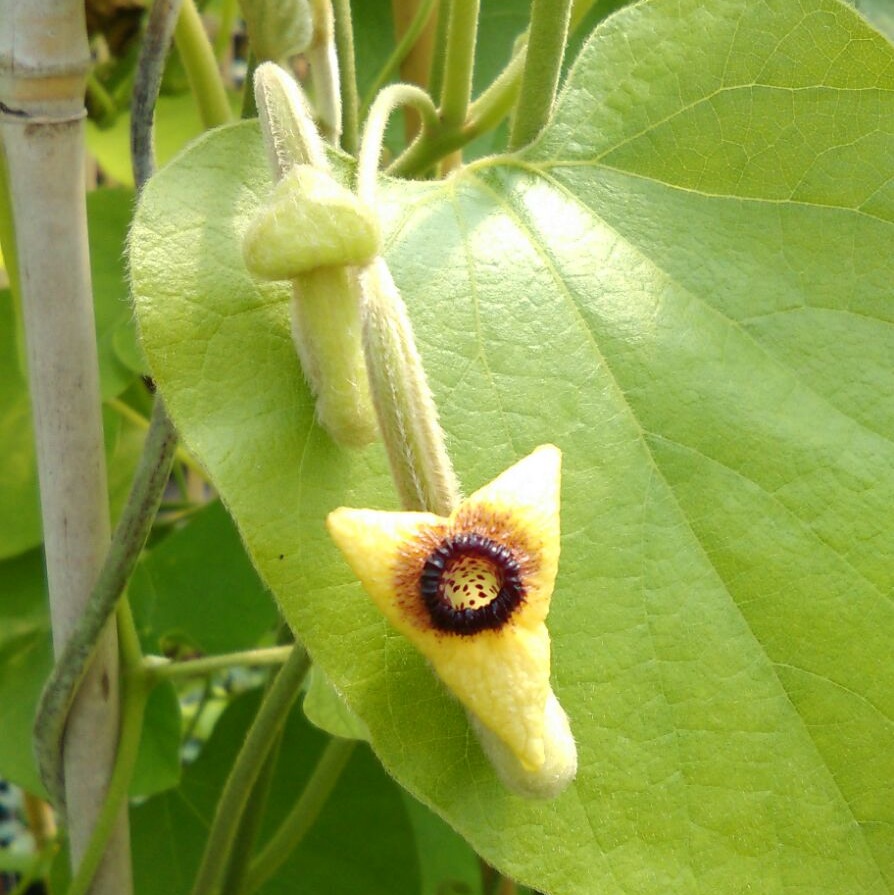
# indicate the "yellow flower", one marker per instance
pixel 472 593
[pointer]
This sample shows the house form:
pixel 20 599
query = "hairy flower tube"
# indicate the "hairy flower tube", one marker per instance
pixel 472 591
pixel 313 232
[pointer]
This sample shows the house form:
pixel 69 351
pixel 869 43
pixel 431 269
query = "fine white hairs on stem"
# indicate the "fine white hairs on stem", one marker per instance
pixel 290 135
pixel 386 102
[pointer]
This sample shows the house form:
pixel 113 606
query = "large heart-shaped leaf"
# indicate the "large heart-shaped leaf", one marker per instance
pixel 686 285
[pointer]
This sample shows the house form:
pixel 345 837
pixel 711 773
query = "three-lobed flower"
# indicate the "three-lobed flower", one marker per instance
pixel 472 591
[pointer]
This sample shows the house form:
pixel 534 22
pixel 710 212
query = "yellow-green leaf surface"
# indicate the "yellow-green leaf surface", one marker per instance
pixel 686 285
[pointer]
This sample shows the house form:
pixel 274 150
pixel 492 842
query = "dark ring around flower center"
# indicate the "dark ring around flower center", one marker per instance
pixel 492 615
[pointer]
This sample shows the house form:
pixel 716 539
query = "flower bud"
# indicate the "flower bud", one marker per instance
pixel 311 221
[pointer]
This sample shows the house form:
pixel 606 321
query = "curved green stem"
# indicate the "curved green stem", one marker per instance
pixel 410 36
pixel 484 114
pixel 344 48
pixel 371 146
pixel 258 742
pixel 127 543
pixel 303 814
pixel 274 655
pixel 136 692
pixel 459 59
pixel 543 64
pixel 201 67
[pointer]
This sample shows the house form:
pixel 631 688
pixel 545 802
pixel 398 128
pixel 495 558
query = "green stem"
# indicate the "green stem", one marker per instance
pixel 201 67
pixel 484 114
pixel 410 36
pixel 344 47
pixel 459 59
pixel 303 814
pixel 249 827
pixel 274 655
pixel 269 720
pixel 204 699
pixel 132 713
pixel 225 31
pixel 439 53
pixel 127 543
pixel 160 24
pixel 371 146
pixel 249 106
pixel 408 419
pixel 103 107
pixel 129 644
pixel 323 59
pixel 543 64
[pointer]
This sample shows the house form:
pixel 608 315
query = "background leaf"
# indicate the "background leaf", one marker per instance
pixel 363 841
pixel 26 658
pixel 20 515
pixel 109 213
pixel 199 589
pixel 685 284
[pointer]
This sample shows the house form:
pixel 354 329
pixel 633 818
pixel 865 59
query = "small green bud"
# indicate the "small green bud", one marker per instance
pixel 310 222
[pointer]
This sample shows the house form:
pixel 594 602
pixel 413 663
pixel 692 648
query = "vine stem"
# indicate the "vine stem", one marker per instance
pixel 44 59
pixel 547 37
pixel 201 67
pixel 484 114
pixel 261 736
pixel 127 543
pixel 302 815
pixel 136 692
pixel 371 146
pixel 459 59
pixel 250 825
pixel 323 59
pixel 274 655
pixel 344 48
pixel 156 40
pixel 125 411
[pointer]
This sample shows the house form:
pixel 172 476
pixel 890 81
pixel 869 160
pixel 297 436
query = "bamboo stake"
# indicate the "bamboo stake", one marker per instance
pixel 43 65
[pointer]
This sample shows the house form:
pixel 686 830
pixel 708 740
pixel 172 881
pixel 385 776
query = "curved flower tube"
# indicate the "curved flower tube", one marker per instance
pixel 471 591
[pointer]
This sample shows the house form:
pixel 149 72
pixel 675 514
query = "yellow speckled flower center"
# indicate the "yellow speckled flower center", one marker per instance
pixel 470 582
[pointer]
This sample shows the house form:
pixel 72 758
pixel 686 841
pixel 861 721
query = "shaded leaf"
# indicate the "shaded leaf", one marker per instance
pixel 326 709
pixel 20 527
pixel 198 588
pixel 362 841
pixel 26 658
pixel 109 212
